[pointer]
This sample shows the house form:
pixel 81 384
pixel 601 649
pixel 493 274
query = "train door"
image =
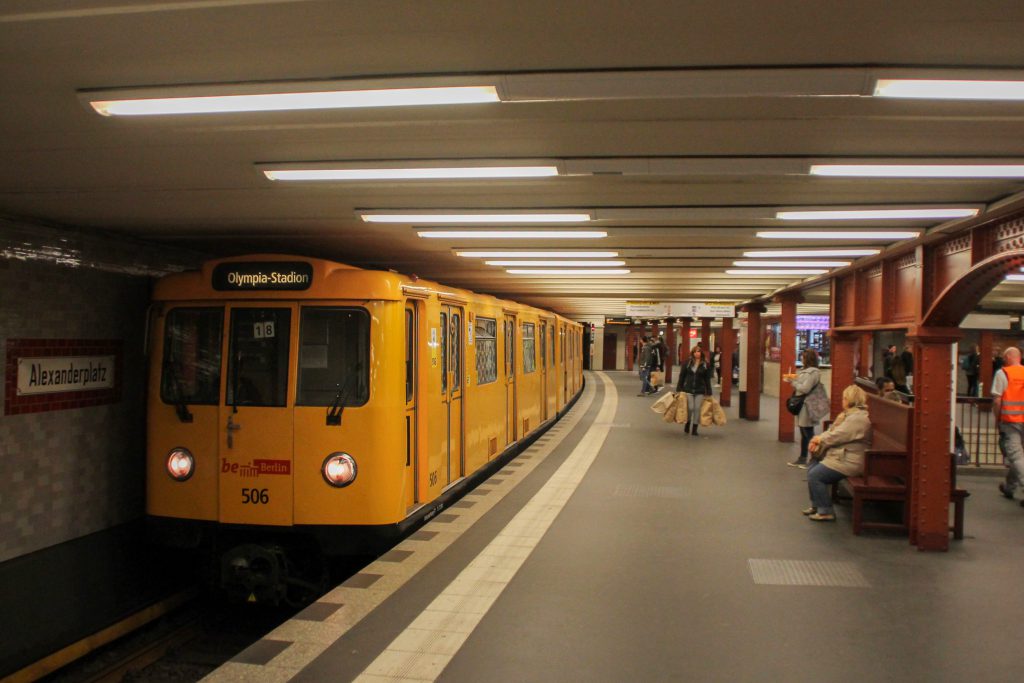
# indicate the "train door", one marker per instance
pixel 412 493
pixel 256 435
pixel 543 370
pixel 552 379
pixel 511 409
pixel 451 390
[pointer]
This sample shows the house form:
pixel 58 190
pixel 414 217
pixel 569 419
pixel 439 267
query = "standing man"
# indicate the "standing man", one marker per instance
pixel 1008 404
pixel 908 365
pixel 646 360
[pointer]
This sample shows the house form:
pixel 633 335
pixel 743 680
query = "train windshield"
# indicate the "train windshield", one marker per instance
pixel 258 367
pixel 334 357
pixel 191 367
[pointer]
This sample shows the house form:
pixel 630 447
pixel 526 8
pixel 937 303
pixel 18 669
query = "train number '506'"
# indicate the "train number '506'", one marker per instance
pixel 255 496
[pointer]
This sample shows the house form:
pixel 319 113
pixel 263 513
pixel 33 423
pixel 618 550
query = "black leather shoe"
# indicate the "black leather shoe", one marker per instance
pixel 1006 493
pixel 687 427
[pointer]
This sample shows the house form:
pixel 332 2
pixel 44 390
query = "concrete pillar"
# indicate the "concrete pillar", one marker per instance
pixel 930 455
pixel 787 363
pixel 728 346
pixel 754 359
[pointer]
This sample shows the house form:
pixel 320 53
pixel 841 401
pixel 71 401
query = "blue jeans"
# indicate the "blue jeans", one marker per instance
pixel 645 375
pixel 819 484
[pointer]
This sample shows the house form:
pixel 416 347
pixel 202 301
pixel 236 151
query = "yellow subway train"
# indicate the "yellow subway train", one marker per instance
pixel 300 409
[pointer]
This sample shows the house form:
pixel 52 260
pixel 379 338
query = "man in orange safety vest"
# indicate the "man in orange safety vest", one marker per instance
pixel 1008 402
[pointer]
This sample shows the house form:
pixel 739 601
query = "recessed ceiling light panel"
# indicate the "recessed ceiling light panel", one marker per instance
pixel 919 170
pixel 875 214
pixel 949 89
pixel 513 234
pixel 757 263
pixel 476 217
pixel 891 235
pixel 810 253
pixel 538 254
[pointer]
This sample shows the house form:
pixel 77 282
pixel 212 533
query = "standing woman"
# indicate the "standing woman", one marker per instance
pixel 804 383
pixel 716 363
pixel 695 383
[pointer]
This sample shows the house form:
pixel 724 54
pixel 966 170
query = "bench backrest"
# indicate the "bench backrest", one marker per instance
pixel 891 424
pixel 891 436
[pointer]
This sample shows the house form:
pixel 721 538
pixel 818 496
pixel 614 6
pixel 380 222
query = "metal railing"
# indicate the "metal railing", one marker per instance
pixel 979 430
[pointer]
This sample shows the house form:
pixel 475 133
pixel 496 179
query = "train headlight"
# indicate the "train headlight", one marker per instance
pixel 180 464
pixel 339 469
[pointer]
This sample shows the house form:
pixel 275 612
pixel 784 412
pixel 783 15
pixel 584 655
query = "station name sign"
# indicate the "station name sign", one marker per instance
pixel 679 309
pixel 262 276
pixel 60 374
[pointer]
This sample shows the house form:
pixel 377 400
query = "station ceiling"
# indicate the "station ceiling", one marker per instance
pixel 678 128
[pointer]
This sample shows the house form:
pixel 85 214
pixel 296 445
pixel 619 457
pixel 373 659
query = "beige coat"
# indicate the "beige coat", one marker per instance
pixel 844 443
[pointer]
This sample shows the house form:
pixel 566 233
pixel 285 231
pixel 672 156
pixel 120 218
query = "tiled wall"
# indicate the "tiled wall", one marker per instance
pixel 70 472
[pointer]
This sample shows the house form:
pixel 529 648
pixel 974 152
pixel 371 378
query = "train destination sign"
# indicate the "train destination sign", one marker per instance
pixel 260 276
pixel 60 374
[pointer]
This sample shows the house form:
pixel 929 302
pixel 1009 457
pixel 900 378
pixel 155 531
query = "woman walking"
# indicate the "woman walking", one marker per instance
pixel 804 382
pixel 695 383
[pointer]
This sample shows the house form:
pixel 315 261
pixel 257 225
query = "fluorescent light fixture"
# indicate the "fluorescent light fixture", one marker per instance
pixel 437 218
pixel 555 264
pixel 890 235
pixel 538 254
pixel 568 271
pixel 950 90
pixel 335 99
pixel 513 234
pixel 920 170
pixel 810 253
pixel 791 264
pixel 874 214
pixel 783 271
pixel 439 173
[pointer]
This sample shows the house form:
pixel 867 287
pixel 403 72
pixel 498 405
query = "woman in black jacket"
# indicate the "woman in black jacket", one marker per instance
pixel 695 383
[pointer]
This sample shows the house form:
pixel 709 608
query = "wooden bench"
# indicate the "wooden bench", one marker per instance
pixel 887 473
pixel 886 464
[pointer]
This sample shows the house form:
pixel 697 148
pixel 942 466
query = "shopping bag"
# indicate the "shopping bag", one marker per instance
pixel 718 413
pixel 657 378
pixel 662 404
pixel 682 409
pixel 707 412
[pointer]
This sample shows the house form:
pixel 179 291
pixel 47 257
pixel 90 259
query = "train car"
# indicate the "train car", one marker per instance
pixel 301 409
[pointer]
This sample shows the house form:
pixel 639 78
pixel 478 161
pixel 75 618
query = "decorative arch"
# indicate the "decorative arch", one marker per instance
pixel 960 297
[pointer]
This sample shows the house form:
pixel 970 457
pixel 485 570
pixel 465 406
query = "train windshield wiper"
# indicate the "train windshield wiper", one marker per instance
pixel 180 405
pixel 341 397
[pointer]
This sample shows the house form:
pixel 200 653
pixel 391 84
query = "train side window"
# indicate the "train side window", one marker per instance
pixel 529 348
pixel 334 354
pixel 551 339
pixel 444 353
pixel 192 354
pixel 410 336
pixel 456 342
pixel 543 345
pixel 486 332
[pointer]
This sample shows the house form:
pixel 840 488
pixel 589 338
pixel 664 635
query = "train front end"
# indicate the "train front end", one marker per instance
pixel 272 415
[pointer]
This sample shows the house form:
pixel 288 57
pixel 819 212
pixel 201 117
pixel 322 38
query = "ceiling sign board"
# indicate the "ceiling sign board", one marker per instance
pixel 701 310
pixel 646 309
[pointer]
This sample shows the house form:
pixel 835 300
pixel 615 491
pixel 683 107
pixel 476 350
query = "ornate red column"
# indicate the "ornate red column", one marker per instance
pixel 728 346
pixel 684 343
pixel 864 366
pixel 670 340
pixel 753 360
pixel 705 336
pixel 787 363
pixel 930 455
pixel 844 346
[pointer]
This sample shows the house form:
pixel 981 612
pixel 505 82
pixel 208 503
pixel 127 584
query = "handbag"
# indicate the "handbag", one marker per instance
pixel 795 403
pixel 818 406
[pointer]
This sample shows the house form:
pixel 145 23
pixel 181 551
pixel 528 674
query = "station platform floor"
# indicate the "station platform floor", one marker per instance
pixel 619 548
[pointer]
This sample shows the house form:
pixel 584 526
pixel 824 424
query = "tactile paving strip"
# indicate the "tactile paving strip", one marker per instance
pixel 806 573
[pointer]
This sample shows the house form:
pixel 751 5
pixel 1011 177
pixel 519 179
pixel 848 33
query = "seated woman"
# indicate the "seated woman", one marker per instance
pixel 839 453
